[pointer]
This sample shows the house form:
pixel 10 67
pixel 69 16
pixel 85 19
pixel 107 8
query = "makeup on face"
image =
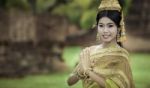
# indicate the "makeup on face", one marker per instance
pixel 107 29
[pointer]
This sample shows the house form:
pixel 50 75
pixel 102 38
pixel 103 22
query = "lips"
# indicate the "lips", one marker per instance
pixel 106 36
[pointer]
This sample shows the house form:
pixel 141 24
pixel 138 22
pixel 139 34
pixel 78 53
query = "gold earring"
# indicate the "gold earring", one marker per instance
pixel 98 37
pixel 118 35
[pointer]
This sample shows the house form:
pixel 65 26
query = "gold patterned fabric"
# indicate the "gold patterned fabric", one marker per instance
pixel 112 63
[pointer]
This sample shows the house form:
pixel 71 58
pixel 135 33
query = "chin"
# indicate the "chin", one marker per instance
pixel 106 40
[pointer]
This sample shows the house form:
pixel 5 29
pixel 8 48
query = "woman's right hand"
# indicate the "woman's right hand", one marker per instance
pixel 85 59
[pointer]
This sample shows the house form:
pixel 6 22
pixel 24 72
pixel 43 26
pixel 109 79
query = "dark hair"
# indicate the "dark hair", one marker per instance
pixel 114 15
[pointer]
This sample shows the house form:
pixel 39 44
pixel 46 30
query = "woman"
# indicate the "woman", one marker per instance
pixel 105 65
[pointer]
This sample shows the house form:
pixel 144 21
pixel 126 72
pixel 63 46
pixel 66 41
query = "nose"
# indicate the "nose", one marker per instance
pixel 105 29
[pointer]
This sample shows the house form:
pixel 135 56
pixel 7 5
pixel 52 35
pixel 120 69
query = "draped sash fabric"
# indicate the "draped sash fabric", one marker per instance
pixel 112 64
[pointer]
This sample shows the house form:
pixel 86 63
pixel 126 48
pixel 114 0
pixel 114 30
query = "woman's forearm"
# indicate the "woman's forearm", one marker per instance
pixel 73 79
pixel 97 78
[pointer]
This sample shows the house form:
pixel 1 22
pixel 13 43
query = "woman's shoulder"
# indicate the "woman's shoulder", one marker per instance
pixel 123 50
pixel 100 49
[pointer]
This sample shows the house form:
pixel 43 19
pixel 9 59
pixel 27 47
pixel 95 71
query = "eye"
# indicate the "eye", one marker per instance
pixel 100 25
pixel 110 25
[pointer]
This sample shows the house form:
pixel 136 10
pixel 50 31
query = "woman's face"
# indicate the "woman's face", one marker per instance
pixel 107 30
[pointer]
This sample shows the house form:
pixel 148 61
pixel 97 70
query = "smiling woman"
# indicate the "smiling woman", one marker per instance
pixel 108 23
pixel 107 29
pixel 105 65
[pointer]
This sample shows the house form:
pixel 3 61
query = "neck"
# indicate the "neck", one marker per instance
pixel 109 44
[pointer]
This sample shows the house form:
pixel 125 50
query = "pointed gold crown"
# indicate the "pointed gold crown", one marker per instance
pixel 109 5
pixel 114 5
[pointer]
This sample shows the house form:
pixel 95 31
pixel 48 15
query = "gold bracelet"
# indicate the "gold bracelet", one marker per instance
pixel 79 75
pixel 86 73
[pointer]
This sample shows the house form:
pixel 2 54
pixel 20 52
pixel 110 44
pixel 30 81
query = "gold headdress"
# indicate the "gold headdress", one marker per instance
pixel 114 5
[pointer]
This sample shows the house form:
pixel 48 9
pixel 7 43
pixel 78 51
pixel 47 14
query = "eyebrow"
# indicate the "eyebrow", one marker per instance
pixel 100 23
pixel 107 23
pixel 110 23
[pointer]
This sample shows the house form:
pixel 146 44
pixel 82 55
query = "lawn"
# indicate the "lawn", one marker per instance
pixel 57 80
pixel 140 67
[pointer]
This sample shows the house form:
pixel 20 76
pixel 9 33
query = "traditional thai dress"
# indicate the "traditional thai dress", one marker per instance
pixel 112 63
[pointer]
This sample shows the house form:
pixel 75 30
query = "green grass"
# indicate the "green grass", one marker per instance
pixel 71 55
pixel 140 68
pixel 57 80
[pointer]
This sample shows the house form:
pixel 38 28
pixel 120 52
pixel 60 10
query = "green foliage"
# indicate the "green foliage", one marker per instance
pixel 43 5
pixel 83 12
pixel 72 11
pixel 127 6
pixel 71 55
pixel 3 3
pixel 84 4
pixel 88 19
pixel 21 4
pixel 78 12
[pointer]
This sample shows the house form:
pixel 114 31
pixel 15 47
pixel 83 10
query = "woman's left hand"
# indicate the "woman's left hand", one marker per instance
pixel 85 59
